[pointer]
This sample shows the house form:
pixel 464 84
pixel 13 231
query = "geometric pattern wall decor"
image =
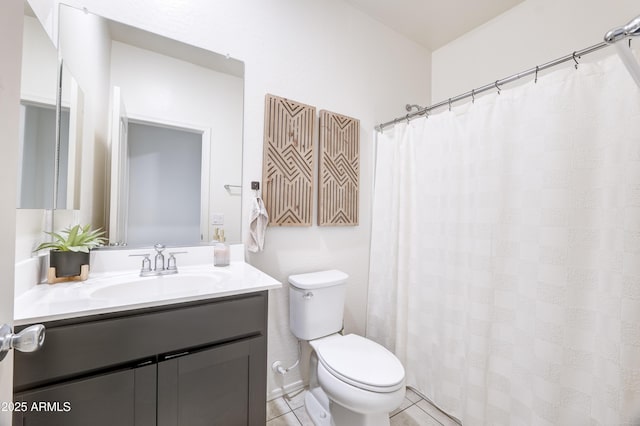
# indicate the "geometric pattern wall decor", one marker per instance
pixel 338 170
pixel 288 161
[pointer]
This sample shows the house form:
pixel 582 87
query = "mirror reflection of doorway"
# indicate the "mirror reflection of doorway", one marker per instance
pixel 165 167
pixel 36 156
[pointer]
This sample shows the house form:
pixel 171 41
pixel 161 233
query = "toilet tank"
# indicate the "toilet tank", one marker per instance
pixel 316 303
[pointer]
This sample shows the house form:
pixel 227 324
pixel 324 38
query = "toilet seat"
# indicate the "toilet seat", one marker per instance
pixel 362 363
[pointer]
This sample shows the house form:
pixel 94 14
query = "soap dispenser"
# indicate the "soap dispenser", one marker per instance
pixel 221 251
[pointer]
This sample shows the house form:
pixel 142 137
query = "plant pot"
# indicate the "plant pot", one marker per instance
pixel 68 263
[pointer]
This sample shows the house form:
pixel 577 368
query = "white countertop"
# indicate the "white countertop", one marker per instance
pixel 107 292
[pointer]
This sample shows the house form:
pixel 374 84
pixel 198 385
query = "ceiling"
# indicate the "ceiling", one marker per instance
pixel 433 23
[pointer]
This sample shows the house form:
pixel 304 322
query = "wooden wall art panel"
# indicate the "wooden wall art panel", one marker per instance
pixel 338 170
pixel 288 161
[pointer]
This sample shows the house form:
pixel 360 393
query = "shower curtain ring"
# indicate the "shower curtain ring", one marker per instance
pixel 537 69
pixel 473 96
pixel 449 104
pixel 407 117
pixel 575 60
pixel 497 87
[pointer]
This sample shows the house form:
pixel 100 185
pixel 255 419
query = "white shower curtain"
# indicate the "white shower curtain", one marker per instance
pixel 505 252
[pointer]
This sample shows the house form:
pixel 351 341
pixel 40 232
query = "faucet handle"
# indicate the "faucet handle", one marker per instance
pixel 171 262
pixel 146 263
pixel 159 247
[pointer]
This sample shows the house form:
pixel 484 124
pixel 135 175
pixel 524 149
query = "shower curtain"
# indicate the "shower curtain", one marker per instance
pixel 505 252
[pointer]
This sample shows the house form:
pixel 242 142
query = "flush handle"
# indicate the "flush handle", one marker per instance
pixel 28 340
pixel 308 295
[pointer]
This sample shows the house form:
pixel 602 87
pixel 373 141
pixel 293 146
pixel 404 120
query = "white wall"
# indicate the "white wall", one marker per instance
pixel 326 54
pixel 530 34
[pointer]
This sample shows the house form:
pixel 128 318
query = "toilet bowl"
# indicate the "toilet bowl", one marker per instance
pixel 353 380
pixel 363 380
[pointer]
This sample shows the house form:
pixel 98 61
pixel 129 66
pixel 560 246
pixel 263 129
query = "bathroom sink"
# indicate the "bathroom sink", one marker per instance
pixel 160 287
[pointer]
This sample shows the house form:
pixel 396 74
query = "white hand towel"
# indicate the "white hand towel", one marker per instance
pixel 258 221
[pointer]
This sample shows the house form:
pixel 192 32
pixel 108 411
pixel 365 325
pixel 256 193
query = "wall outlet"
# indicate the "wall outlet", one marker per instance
pixel 217 219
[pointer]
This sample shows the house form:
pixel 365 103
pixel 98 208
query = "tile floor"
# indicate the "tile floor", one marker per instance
pixel 414 411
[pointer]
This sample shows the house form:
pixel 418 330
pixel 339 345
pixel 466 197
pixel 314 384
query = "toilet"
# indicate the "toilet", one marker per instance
pixel 353 380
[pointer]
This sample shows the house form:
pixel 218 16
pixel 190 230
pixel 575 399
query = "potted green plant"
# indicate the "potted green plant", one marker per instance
pixel 70 252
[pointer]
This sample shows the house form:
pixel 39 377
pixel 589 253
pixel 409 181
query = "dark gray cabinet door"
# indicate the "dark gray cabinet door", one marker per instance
pixel 217 386
pixel 119 398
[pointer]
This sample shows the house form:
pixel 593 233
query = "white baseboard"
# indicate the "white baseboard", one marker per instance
pixel 284 390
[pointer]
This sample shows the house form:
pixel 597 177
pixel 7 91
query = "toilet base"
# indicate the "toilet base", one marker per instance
pixel 316 404
pixel 324 412
pixel 344 417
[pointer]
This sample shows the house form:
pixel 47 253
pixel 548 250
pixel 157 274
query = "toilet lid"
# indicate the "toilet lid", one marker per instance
pixel 313 280
pixel 362 363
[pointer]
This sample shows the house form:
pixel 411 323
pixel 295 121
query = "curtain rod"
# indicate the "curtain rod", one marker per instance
pixel 495 85
pixel 613 36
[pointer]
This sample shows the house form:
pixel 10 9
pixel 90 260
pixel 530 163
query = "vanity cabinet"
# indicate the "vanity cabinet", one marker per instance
pixel 116 398
pixel 189 364
pixel 213 384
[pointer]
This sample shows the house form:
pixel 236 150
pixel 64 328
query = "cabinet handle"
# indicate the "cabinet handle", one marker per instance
pixel 168 357
pixel 28 340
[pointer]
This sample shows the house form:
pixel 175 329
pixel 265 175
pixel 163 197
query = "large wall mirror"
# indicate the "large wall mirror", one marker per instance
pixel 49 136
pixel 162 144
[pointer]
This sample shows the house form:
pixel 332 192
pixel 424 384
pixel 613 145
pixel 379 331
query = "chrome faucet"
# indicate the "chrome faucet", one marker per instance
pixel 159 258
pixel 158 265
